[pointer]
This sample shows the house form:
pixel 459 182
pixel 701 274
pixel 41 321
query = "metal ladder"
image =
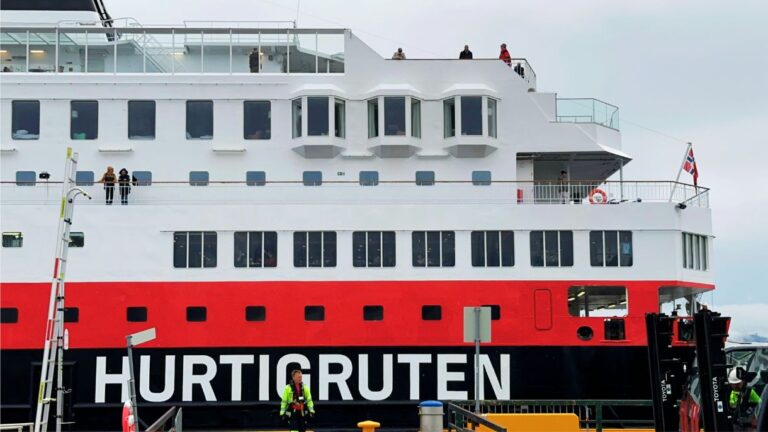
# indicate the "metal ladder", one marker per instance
pixel 53 350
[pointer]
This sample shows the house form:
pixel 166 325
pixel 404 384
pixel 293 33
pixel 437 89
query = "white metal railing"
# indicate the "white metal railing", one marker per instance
pixel 19 427
pixel 598 194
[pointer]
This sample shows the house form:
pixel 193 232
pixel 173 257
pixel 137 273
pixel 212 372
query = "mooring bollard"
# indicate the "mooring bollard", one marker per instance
pixel 431 416
pixel 368 426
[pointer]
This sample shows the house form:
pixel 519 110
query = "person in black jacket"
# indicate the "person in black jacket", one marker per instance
pixel 466 54
pixel 124 183
pixel 253 61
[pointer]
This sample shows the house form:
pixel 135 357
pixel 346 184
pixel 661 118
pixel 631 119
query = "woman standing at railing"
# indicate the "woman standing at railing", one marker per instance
pixel 562 187
pixel 109 179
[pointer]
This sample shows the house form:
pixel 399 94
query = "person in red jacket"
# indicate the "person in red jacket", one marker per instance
pixel 504 55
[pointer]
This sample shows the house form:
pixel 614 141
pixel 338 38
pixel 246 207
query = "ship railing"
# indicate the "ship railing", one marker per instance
pixel 587 110
pixel 460 419
pixel 258 190
pixel 519 66
pixel 593 414
pixel 18 427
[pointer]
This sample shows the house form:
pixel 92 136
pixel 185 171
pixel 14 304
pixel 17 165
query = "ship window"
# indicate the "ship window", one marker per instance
pixel 143 178
pixel 25 120
pixel 71 315
pixel 415 118
pixel 141 120
pixel 493 248
pixel 495 312
pixel 492 117
pixel 200 119
pixel 373 248
pixel 585 333
pixel 76 239
pixel 614 329
pixel 296 117
pixel 317 119
pixel 198 178
pixel 433 248
pixel 394 115
pixel 312 178
pixel 695 251
pixel 255 178
pixel 314 249
pixel 449 118
pixel 481 178
pixel 255 249
pixel 255 313
pixel 339 118
pixel 471 115
pixel 9 315
pixel 257 120
pixel 314 313
pixel 597 301
pixel 194 249
pixel 610 248
pixel 373 313
pixel 136 314
pixel 84 124
pixel 197 313
pixel 373 118
pixel 425 178
pixel 431 313
pixel 551 248
pixel 12 239
pixel 26 178
pixel 84 178
pixel 369 178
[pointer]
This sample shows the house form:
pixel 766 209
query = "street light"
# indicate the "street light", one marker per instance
pixel 133 340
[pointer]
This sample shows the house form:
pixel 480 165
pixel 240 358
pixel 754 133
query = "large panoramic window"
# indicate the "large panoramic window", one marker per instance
pixel 551 248
pixel 610 248
pixel 141 120
pixel 84 121
pixel 256 249
pixel 394 115
pixel 597 301
pixel 317 116
pixel 257 120
pixel 471 115
pixel 493 248
pixel 314 249
pixel 194 249
pixel 25 120
pixel 433 248
pixel 373 248
pixel 200 119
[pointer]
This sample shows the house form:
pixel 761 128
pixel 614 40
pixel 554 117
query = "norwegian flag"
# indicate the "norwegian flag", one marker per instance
pixel 690 166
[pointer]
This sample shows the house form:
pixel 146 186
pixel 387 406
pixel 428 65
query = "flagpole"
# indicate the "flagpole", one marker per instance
pixel 680 171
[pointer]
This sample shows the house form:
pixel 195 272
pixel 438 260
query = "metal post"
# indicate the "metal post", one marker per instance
pixel 477 360
pixel 173 51
pixel 317 50
pixel 288 51
pixel 599 417
pixel 27 54
pixel 230 51
pixel 132 379
pixel 86 52
pixel 114 52
pixel 144 52
pixel 621 179
pixel 56 57
pixel 680 171
pixel 202 50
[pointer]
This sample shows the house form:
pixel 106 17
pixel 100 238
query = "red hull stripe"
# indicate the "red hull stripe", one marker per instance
pixel 525 321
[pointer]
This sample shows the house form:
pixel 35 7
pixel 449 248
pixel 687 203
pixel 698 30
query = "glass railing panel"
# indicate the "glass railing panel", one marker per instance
pixel 42 50
pixel 588 110
pixel 330 49
pixel 303 53
pixel 13 56
pixel 275 49
pixel 215 49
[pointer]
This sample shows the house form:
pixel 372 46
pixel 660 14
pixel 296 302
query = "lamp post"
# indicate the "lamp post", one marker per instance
pixel 133 340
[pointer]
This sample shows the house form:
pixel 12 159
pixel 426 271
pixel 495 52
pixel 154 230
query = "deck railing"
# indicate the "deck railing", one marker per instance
pixel 587 110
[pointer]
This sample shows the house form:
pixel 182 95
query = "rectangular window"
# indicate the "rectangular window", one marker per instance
pixel 76 239
pixel 373 118
pixel 9 315
pixel 13 240
pixel 373 313
pixel 197 313
pixel 26 178
pixel 296 117
pixel 369 178
pixel 314 313
pixel 449 118
pixel 317 120
pixel 143 178
pixel 431 313
pixel 257 120
pixel 425 178
pixel 200 119
pixel 415 118
pixel 84 122
pixel 492 118
pixel 198 178
pixel 433 248
pixel 339 118
pixel 312 178
pixel 481 178
pixel 314 249
pixel 255 178
pixel 471 115
pixel 255 313
pixel 255 249
pixel 493 248
pixel 141 120
pixel 695 252
pixel 71 315
pixel 394 115
pixel 373 248
pixel 597 301
pixel 136 314
pixel 25 120
pixel 610 248
pixel 84 178
pixel 551 248
pixel 194 249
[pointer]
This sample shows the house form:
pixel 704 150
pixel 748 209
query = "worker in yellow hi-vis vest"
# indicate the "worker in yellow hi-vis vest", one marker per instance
pixel 296 406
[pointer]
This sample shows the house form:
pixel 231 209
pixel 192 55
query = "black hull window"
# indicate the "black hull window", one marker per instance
pixel 551 248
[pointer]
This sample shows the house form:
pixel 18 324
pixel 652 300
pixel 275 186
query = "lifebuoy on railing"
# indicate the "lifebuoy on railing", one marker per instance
pixel 598 196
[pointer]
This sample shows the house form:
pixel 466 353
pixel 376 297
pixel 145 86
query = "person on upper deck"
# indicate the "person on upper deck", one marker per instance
pixel 562 187
pixel 398 55
pixel 504 55
pixel 466 54
pixel 109 178
pixel 253 61
pixel 124 183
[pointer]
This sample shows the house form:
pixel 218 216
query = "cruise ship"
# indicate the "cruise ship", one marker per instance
pixel 299 201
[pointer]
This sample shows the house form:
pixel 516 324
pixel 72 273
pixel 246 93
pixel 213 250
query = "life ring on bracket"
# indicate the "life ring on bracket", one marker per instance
pixel 598 196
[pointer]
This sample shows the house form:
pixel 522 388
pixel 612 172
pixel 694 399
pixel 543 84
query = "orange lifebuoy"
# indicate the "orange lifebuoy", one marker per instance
pixel 602 196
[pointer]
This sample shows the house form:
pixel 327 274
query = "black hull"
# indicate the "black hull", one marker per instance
pixel 534 373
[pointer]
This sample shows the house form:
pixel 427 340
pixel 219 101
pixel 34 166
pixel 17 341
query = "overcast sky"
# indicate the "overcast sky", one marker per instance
pixel 695 70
